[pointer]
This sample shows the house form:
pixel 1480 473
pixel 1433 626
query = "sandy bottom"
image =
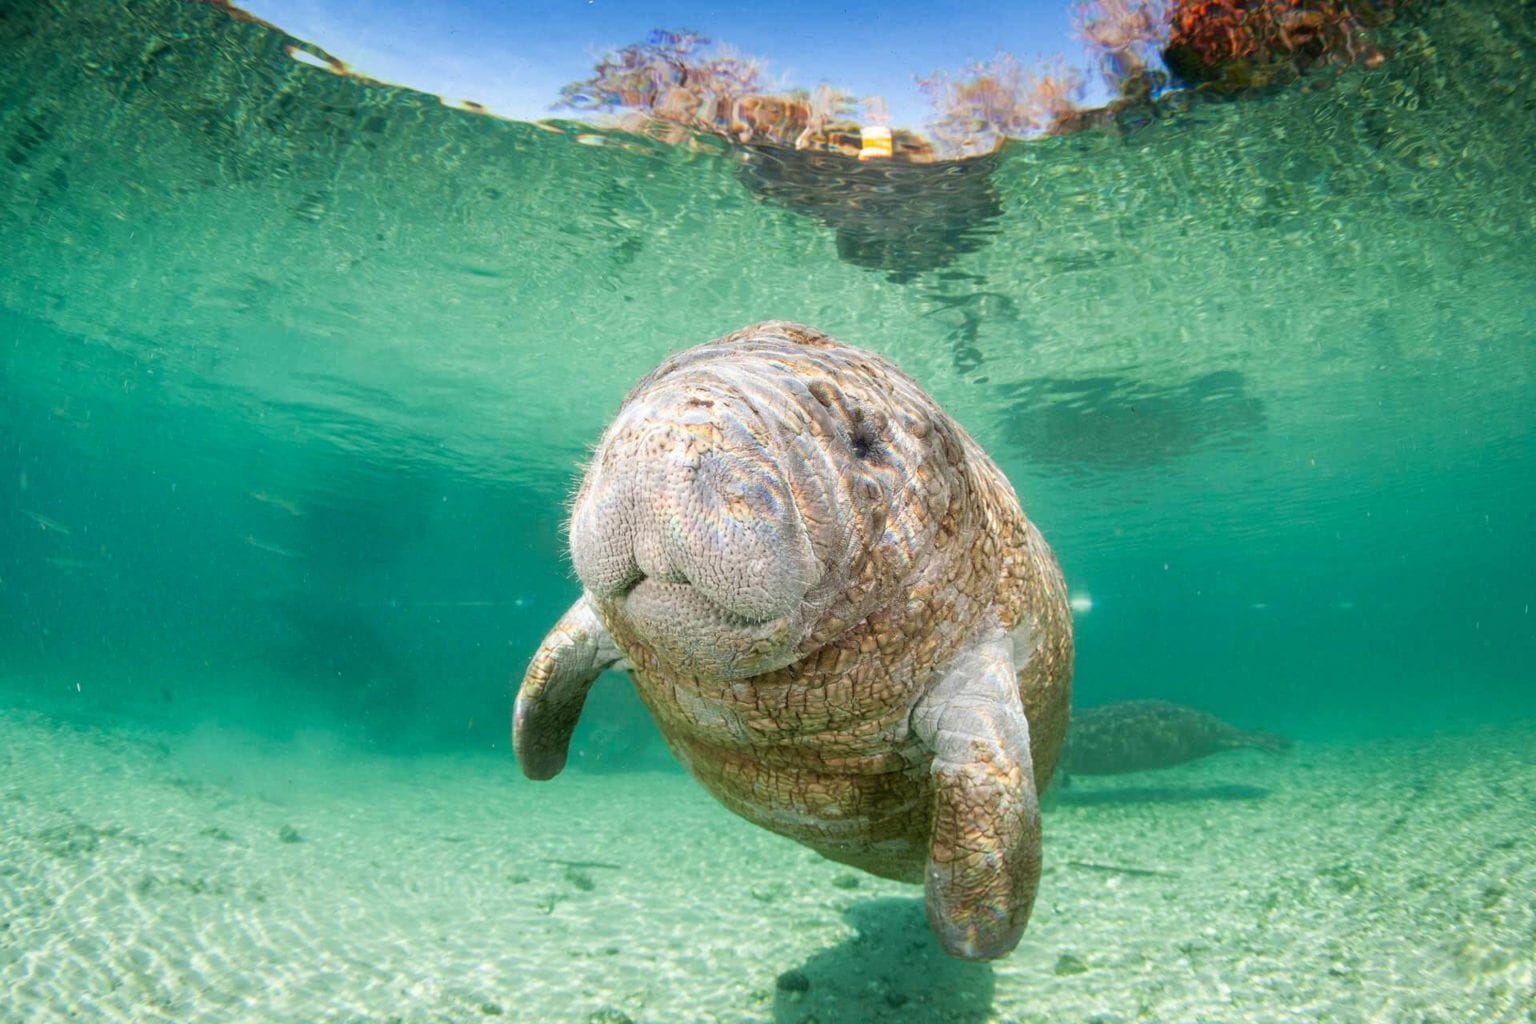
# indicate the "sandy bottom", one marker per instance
pixel 207 877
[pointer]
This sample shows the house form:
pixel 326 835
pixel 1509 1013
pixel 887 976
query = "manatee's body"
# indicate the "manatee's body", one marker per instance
pixel 1139 735
pixel 829 599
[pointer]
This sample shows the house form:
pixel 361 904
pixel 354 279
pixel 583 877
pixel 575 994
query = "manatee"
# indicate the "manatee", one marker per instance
pixel 831 602
pixel 1139 735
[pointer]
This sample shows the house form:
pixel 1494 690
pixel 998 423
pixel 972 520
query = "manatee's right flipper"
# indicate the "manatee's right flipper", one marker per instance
pixel 572 656
pixel 984 854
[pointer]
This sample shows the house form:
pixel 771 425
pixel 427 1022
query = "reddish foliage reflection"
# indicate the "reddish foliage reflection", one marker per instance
pixel 1247 44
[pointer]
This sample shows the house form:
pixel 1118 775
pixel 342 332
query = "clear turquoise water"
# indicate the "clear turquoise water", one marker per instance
pixel 302 368
pixel 297 372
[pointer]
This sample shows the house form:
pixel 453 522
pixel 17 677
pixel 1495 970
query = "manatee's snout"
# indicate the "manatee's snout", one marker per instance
pixel 687 527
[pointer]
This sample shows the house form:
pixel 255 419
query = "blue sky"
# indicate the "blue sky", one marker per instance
pixel 514 56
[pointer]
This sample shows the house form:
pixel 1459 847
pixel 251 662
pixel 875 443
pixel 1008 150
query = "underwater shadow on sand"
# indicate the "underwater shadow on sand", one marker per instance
pixel 892 970
pixel 1122 795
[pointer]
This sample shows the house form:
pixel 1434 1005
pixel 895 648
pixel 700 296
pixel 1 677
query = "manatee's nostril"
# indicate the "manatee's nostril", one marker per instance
pixel 866 434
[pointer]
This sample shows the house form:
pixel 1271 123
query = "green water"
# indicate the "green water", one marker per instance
pixel 297 374
pixel 302 369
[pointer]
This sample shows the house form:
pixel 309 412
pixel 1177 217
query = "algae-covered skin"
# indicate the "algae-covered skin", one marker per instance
pixel 1140 735
pixel 833 605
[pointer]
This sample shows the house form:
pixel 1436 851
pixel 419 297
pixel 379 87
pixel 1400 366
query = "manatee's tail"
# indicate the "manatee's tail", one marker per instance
pixel 1268 741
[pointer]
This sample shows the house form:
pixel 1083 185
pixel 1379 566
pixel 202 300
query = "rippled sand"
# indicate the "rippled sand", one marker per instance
pixel 208 877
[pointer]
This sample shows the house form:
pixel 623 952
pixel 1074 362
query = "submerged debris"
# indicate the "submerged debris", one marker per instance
pixel 609 1015
pixel 1069 964
pixel 793 980
pixel 581 864
pixel 1121 869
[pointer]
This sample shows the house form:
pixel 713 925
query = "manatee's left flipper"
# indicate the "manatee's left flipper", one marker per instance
pixel 984 855
pixel 572 656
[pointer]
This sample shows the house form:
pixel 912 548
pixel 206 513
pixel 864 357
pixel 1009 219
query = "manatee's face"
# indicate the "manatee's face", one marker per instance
pixel 723 513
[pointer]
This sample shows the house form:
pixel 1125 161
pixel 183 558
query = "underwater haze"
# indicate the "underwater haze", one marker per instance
pixel 299 372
